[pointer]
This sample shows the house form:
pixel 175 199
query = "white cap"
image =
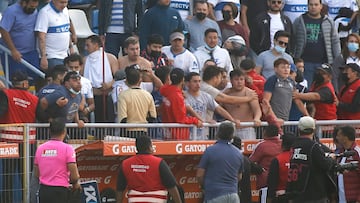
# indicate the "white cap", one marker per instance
pixel 236 39
pixel 306 122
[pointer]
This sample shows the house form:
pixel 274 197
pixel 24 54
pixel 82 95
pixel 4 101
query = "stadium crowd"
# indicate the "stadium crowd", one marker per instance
pixel 156 62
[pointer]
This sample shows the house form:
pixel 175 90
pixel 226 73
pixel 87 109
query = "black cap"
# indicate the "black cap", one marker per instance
pixel 353 66
pixel 71 74
pixel 176 76
pixel 19 76
pixel 326 67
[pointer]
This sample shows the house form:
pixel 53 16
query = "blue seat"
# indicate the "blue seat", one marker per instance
pixel 95 21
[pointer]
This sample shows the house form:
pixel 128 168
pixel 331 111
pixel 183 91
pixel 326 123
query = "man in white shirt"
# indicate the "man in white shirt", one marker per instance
pixel 211 50
pixel 178 55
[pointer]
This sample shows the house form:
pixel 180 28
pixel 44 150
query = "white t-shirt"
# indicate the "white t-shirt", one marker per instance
pixel 221 57
pixel 218 6
pixel 275 25
pixel 86 88
pixel 185 60
pixel 120 85
pixel 335 5
pixel 295 8
pixel 182 6
pixel 56 25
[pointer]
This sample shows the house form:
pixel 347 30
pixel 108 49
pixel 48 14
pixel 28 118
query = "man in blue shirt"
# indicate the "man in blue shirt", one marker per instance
pixel 221 168
pixel 17 32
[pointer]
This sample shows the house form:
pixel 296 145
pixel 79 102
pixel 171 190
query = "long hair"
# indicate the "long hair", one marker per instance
pixel 345 51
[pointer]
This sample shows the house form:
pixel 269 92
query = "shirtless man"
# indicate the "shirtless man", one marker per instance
pixel 247 112
pixel 132 48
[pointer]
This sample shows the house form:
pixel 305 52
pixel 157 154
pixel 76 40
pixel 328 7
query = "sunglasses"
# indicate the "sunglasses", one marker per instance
pixel 276 2
pixel 281 43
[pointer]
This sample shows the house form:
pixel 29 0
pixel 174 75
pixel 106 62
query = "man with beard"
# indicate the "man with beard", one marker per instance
pixel 153 53
pixel 349 96
pixel 321 94
pixel 17 31
pixel 197 26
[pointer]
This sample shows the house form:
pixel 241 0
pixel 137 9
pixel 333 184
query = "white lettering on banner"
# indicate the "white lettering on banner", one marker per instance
pixel 193 195
pixel 190 167
pixel 172 165
pixel 250 147
pixel 90 194
pixel 98 179
pixel 179 148
pixel 107 180
pixel 185 179
pixel 7 151
pixel 115 149
pixel 195 148
pixel 128 149
pixel 93 168
pixel 114 167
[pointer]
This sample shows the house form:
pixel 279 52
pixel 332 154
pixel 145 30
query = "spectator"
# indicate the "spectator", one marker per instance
pixel 203 104
pixel 244 184
pixel 220 168
pixel 160 19
pixel 229 26
pixel 262 155
pixel 55 166
pixel 237 49
pixel 57 74
pixel 153 52
pixel 17 34
pixel 267 24
pixel 247 112
pixel 249 10
pixel 211 50
pixel 216 7
pixel 118 20
pixel 349 54
pixel 173 106
pixel 150 179
pixel 278 91
pixel 65 101
pixel 224 80
pixel 266 59
pixel 349 181
pixel 333 8
pixel 349 96
pixel 197 26
pixel 299 63
pixel 212 79
pixel 98 69
pixel 253 80
pixel 297 76
pixel 17 105
pixel 308 171
pixel 53 27
pixel 178 56
pixel 134 104
pixel 294 9
pixel 315 39
pixel 278 170
pixel 321 94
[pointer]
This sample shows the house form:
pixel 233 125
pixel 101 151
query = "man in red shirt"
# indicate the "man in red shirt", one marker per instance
pixel 147 177
pixel 254 80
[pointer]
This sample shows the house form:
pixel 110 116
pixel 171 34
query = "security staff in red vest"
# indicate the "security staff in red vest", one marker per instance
pixel 349 95
pixel 278 171
pixel 321 94
pixel 17 105
pixel 148 178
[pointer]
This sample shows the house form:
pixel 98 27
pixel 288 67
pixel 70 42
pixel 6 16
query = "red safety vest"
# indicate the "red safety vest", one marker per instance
pixel 284 163
pixel 347 97
pixel 143 179
pixel 21 109
pixel 325 111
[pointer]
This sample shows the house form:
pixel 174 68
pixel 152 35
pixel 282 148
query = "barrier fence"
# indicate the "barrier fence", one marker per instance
pixel 109 143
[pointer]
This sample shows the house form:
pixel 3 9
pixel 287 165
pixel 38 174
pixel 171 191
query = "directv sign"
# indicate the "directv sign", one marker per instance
pixel 90 192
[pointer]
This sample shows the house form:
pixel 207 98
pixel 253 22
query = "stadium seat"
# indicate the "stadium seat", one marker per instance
pixel 80 22
pixel 95 20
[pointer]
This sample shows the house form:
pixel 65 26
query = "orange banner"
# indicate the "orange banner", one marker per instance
pixel 9 150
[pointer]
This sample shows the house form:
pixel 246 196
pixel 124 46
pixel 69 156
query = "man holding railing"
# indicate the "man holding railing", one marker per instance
pixel 17 32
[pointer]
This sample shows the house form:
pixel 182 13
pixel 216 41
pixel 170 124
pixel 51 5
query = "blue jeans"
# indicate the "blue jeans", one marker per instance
pixel 113 42
pixel 309 71
pixel 53 62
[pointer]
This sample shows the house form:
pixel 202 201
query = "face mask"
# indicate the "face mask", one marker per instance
pixel 74 92
pixel 29 10
pixel 344 77
pixel 299 76
pixel 318 78
pixel 209 48
pixel 155 54
pixel 353 46
pixel 200 16
pixel 279 49
pixel 226 15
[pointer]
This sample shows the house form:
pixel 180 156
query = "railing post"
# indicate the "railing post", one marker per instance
pixel 26 163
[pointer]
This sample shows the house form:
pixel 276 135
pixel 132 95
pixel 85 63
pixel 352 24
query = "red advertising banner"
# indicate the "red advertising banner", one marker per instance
pixel 9 150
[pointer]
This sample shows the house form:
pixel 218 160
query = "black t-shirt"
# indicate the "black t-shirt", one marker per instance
pixel 254 8
pixel 315 45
